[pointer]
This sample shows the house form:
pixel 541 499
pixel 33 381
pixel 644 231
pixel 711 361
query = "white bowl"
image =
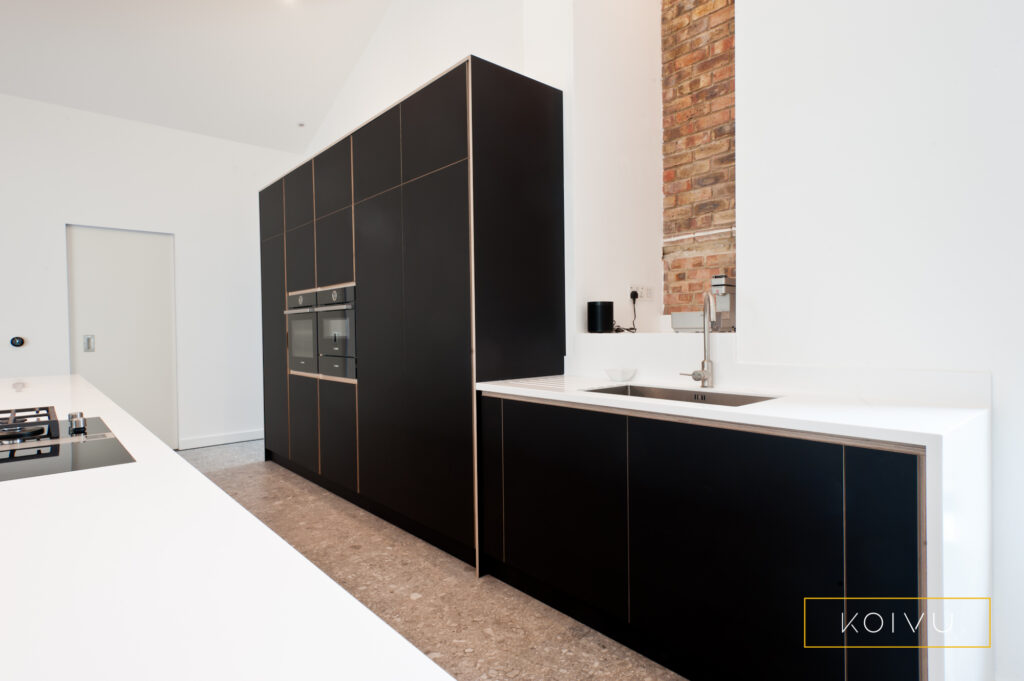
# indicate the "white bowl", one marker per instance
pixel 620 375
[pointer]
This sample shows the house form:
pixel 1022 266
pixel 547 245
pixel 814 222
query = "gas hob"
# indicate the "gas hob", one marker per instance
pixel 34 442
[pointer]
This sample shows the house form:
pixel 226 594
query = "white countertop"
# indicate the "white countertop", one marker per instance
pixel 834 416
pixel 148 570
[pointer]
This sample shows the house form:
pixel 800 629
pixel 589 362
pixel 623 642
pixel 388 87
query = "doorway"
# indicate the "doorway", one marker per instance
pixel 122 322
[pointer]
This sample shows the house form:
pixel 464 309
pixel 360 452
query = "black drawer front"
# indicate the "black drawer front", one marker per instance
pixel 341 367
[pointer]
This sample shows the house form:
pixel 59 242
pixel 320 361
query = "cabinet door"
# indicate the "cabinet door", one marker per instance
pixel 377 155
pixel 518 233
pixel 882 560
pixel 275 360
pixel 378 224
pixel 272 210
pixel 301 258
pixel 298 196
pixel 490 454
pixel 332 175
pixel 438 469
pixel 434 125
pixel 729 532
pixel 302 413
pixel 338 458
pixel 565 502
pixel 334 249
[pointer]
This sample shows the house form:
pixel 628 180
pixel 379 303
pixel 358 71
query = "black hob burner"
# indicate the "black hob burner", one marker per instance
pixel 34 442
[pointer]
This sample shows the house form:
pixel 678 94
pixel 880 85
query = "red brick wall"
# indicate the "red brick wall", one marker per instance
pixel 699 147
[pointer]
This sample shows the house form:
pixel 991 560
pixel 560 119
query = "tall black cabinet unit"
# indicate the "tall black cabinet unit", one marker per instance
pixel 455 201
pixel 275 360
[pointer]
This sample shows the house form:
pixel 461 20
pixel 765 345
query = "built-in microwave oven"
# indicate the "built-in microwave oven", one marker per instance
pixel 336 331
pixel 302 350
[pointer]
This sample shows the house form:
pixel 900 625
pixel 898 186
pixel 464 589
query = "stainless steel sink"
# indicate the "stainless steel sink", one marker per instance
pixel 698 396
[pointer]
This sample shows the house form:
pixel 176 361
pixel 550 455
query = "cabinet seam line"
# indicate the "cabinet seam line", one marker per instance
pixel 629 547
pixel 846 653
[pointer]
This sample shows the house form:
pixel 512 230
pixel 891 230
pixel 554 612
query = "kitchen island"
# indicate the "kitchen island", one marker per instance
pixel 147 570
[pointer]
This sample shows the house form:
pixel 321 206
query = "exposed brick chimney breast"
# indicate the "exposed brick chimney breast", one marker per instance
pixel 699 147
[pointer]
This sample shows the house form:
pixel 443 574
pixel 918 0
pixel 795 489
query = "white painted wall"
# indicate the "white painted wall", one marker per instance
pixel 61 166
pixel 879 222
pixel 617 159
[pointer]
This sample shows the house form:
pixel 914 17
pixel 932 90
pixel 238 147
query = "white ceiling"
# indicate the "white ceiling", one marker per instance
pixel 245 70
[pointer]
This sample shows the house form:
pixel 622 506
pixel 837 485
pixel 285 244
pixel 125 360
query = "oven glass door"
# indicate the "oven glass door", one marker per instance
pixel 302 342
pixel 337 331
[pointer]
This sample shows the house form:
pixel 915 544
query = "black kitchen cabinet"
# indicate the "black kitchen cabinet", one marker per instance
pixel 437 479
pixel 300 245
pixel 298 196
pixel 434 125
pixel 275 365
pixel 490 472
pixel 882 545
pixel 517 189
pixel 379 337
pixel 332 174
pixel 443 298
pixel 729 532
pixel 565 498
pixel 338 445
pixel 733 540
pixel 272 210
pixel 377 155
pixel 334 263
pixel 303 438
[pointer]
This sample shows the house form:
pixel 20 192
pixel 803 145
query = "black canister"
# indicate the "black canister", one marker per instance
pixel 599 316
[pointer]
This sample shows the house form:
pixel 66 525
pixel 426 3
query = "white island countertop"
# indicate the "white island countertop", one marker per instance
pixel 147 570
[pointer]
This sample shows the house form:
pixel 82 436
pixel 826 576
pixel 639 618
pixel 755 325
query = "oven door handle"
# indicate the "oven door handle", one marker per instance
pixel 328 308
pixel 299 310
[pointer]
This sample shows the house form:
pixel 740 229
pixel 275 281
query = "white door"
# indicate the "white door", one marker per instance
pixel 121 308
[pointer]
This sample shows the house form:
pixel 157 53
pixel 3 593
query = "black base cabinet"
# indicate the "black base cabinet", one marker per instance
pixel 729 531
pixel 447 212
pixel 337 415
pixel 303 432
pixel 882 559
pixel 565 502
pixel 697 545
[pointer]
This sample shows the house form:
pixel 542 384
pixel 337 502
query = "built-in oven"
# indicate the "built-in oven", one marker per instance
pixel 302 353
pixel 336 336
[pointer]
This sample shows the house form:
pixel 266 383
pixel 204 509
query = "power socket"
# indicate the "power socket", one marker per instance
pixel 643 292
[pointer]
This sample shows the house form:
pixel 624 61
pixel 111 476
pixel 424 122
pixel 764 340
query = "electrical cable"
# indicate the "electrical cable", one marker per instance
pixel 621 329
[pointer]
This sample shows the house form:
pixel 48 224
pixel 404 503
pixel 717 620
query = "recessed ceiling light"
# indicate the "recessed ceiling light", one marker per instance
pixel 302 125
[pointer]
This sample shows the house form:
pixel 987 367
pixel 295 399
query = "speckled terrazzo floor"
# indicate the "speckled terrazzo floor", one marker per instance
pixel 476 629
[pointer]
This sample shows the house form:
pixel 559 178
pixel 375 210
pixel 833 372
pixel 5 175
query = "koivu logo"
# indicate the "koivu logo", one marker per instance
pixel 876 623
pixel 897 622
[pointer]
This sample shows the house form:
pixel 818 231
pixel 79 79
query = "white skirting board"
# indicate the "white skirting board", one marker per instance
pixel 219 439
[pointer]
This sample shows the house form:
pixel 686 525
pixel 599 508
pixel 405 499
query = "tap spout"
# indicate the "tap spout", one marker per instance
pixel 707 368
